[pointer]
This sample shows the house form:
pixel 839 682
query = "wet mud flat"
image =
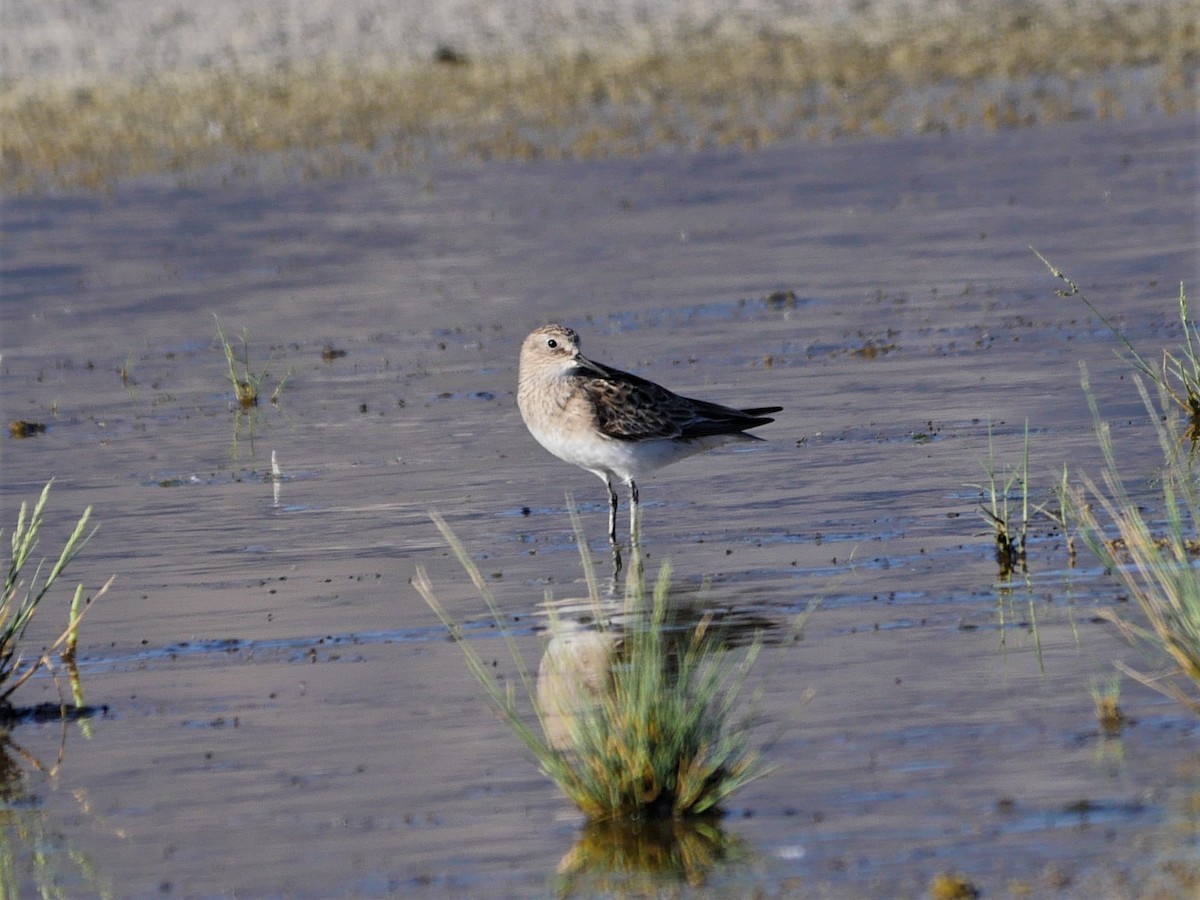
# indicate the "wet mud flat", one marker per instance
pixel 283 715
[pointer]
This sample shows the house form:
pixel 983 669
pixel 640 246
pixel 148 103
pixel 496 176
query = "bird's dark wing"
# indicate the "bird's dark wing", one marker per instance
pixel 628 407
pixel 712 418
pixel 631 408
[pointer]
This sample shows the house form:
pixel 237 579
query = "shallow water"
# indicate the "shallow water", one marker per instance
pixel 285 715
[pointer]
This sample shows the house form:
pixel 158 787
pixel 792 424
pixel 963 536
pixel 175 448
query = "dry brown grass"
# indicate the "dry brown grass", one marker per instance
pixel 1012 67
pixel 1152 561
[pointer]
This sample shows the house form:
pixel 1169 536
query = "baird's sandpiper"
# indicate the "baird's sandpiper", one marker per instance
pixel 614 424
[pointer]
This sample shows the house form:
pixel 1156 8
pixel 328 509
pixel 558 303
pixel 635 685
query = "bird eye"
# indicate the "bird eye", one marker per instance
pixel 552 343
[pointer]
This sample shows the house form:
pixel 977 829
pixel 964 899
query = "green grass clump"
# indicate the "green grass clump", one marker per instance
pixel 1153 561
pixel 24 592
pixel 247 384
pixel 648 734
pixel 1004 492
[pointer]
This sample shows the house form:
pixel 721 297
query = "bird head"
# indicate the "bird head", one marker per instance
pixel 553 347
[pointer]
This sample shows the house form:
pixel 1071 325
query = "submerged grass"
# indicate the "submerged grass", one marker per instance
pixel 247 384
pixel 34 861
pixel 24 592
pixel 1106 701
pixel 1060 514
pixel 1153 561
pixel 653 734
pixel 614 858
pixel 1004 492
pixel 993 65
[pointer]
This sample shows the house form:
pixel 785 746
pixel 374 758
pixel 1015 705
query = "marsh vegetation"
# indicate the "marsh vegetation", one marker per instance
pixel 280 615
pixel 26 586
pixel 995 66
pixel 637 720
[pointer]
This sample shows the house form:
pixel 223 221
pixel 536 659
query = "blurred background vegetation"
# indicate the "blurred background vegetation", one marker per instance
pixel 330 112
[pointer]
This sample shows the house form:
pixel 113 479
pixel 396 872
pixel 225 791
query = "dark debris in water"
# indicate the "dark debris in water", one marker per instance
pixel 19 428
pixel 781 299
pixel 485 396
pixel 11 716
pixel 329 353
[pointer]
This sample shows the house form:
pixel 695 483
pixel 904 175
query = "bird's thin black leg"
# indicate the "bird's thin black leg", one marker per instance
pixel 635 576
pixel 634 517
pixel 613 500
pixel 618 565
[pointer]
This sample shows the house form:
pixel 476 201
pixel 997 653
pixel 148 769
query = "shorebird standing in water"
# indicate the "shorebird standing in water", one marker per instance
pixel 614 424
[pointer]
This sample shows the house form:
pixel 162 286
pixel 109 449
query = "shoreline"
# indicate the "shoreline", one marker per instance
pixel 727 84
pixel 66 43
